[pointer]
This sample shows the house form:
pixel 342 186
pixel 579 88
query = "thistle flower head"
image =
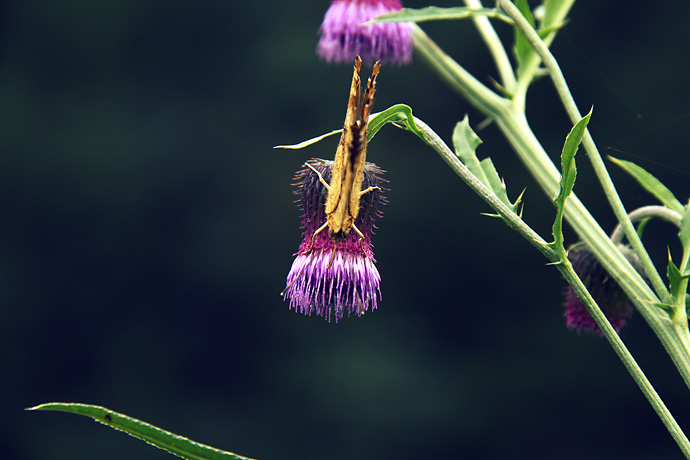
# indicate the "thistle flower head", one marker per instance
pixel 328 277
pixel 343 35
pixel 604 289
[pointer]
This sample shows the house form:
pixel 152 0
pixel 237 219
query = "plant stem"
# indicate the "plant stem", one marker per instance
pixel 530 67
pixel 566 269
pixel 455 75
pixel 587 141
pixel 627 359
pixel 661 212
pixel 508 215
pixel 486 30
pixel 510 118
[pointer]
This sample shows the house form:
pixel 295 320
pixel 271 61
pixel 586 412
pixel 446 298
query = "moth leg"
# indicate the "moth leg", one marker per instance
pixel 367 190
pixel 328 187
pixel 313 238
pixel 361 238
pixel 330 262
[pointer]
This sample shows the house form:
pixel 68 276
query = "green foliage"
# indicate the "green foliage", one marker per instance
pixel 465 142
pixel 685 229
pixel 678 284
pixel 568 175
pixel 308 142
pixel 172 443
pixel 434 13
pixel 651 184
pixel 552 10
pixel 399 114
pixel 522 49
pixel 676 278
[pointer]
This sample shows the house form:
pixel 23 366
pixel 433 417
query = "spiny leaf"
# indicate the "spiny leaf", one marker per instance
pixel 651 184
pixel 172 443
pixel 675 278
pixel 568 175
pixel 465 142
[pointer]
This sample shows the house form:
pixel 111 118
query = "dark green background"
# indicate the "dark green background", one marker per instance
pixel 148 225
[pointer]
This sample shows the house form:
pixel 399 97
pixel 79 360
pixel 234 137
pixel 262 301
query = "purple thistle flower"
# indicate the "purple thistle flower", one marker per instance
pixel 334 279
pixel 343 36
pixel 604 289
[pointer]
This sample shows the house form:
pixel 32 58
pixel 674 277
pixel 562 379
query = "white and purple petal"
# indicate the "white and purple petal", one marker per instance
pixel 329 279
pixel 343 35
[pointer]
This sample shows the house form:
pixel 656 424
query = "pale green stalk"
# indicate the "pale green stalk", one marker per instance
pixel 628 361
pixel 597 163
pixel 680 335
pixel 509 217
pixel 510 118
pixel 531 65
pixel 645 212
pixel 498 52
pixel 566 269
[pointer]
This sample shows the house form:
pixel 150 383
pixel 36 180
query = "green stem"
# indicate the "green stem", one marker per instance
pixel 530 67
pixel 597 163
pixel 680 313
pixel 511 120
pixel 509 217
pixel 679 318
pixel 627 359
pixel 566 269
pixel 456 76
pixel 645 212
pixel 516 129
pixel 498 52
pixel 510 117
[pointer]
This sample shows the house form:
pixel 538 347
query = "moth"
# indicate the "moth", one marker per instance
pixel 345 189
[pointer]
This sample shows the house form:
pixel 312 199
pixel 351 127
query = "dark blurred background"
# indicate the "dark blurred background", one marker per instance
pixel 148 226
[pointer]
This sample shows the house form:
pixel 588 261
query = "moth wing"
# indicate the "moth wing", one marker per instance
pixel 343 154
pixel 362 121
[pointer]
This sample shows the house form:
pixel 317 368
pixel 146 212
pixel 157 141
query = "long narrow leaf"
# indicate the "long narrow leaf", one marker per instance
pixel 434 13
pixel 651 184
pixel 172 443
pixel 399 113
pixel 568 175
pixel 309 142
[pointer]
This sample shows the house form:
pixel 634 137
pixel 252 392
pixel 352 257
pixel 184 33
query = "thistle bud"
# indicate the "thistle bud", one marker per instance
pixel 604 289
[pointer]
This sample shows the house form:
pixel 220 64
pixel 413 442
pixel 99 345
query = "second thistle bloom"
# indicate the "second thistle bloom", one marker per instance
pixel 343 35
pixel 327 278
pixel 604 289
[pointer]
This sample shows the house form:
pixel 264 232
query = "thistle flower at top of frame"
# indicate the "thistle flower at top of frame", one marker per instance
pixel 343 35
pixel 329 279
